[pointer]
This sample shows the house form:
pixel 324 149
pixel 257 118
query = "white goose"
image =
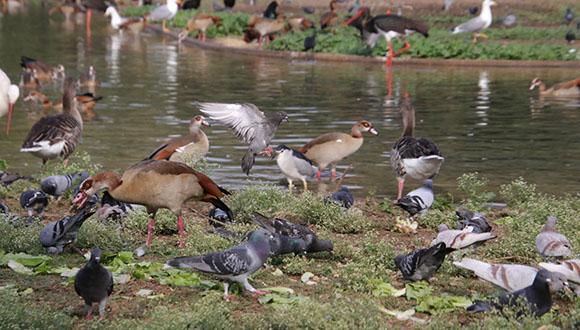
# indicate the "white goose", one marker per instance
pixel 9 93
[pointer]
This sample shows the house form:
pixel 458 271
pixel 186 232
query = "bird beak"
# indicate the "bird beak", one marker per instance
pixel 205 123
pixel 493 3
pixel 532 86
pixel 9 122
pixel 373 131
pixel 80 199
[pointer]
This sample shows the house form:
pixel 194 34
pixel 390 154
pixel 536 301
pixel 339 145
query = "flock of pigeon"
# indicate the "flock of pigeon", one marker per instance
pixel 163 180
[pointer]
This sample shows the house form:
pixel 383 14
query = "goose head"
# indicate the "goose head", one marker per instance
pixel 365 126
pixel 536 82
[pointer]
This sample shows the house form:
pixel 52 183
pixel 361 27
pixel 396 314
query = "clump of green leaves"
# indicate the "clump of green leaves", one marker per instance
pixel 20 238
pixel 25 313
pixel 518 192
pixel 473 187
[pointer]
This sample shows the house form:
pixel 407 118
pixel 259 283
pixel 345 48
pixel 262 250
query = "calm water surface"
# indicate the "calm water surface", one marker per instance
pixel 483 119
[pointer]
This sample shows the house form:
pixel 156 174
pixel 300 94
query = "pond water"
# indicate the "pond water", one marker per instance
pixel 483 119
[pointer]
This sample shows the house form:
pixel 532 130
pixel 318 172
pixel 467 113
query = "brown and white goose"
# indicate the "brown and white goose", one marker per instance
pixel 187 148
pixel 42 71
pixel 85 102
pixel 156 185
pixel 567 89
pixel 199 23
pixel 418 158
pixel 330 148
pixel 54 136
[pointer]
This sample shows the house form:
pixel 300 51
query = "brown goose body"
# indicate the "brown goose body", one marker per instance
pixel 330 148
pixel 329 18
pixel 299 23
pixel 267 27
pixel 156 185
pixel 187 148
pixel 200 23
pixel 42 71
pixel 569 88
pixel 58 135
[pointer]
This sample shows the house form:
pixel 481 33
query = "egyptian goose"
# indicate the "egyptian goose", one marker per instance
pixel 164 13
pixel 28 80
pixel 418 158
pixel 299 23
pixel 479 23
pixel 294 165
pixel 249 124
pixel 200 23
pixel 9 93
pixel 156 184
pixel 388 26
pixel 567 89
pixel 58 135
pixel 187 148
pixel 40 98
pixel 329 18
pixel 330 148
pixel 267 27
pixel 41 70
pixel 85 102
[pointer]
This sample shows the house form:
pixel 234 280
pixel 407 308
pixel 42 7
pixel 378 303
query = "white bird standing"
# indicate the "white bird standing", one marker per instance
pixel 164 13
pixel 479 23
pixel 294 165
pixel 9 93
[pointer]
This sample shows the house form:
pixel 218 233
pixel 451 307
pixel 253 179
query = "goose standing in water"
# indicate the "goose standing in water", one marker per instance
pixel 9 93
pixel 418 158
pixel 185 148
pixel 54 136
pixel 330 148
pixel 567 89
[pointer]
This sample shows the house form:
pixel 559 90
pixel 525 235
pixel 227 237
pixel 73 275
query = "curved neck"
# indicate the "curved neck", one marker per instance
pixel 408 115
pixel 109 180
pixel 69 104
pixel 486 12
pixel 355 133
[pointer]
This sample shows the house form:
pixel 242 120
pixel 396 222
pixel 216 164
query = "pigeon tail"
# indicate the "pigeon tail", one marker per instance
pixel 185 262
pixel 221 205
pixel 479 307
pixel 321 246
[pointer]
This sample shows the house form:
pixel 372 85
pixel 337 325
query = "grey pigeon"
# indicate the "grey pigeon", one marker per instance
pixel 476 220
pixel 550 243
pixel 536 297
pixel 459 239
pixel 292 237
pixel 568 16
pixel 94 283
pixel 570 37
pixel 7 179
pixel 220 215
pixel 570 269
pixel 510 20
pixel 510 277
pixel 34 202
pixel 115 210
pixel 423 263
pixel 418 200
pixel 309 9
pixel 58 234
pixel 294 165
pixel 343 197
pixel 249 124
pixel 235 264
pixel 57 185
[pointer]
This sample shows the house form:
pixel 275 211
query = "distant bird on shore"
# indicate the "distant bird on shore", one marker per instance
pixel 94 283
pixel 249 124
pixel 271 11
pixel 447 4
pixel 308 9
pixel 9 94
pixel 551 243
pixel 473 10
pixel 568 16
pixel 310 42
pixel 510 20
pixel 479 23
pixel 235 264
pixel 164 13
pixel 229 4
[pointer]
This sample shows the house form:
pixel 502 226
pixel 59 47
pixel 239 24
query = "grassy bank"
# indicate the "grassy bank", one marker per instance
pixel 526 41
pixel 349 288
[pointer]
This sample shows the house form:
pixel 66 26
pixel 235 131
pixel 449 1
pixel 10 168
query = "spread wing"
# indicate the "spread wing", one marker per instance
pixel 246 120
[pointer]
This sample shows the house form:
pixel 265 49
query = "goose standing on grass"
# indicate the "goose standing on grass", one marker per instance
pixel 330 148
pixel 9 93
pixel 55 136
pixel 187 148
pixel 479 23
pixel 199 23
pixel 156 184
pixel 294 165
pixel 164 13
pixel 418 158
pixel 569 88
pixel 249 124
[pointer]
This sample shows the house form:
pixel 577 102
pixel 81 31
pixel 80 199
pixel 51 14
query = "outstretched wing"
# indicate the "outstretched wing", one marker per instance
pixel 246 120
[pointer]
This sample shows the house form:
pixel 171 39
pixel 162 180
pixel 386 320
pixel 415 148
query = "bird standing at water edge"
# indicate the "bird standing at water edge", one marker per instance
pixel 156 184
pixel 330 148
pixel 418 158
pixel 249 124
pixel 294 165
pixel 164 13
pixel 9 94
pixel 479 23
pixel 55 136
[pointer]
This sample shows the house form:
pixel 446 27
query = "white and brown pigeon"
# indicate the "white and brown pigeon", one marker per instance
pixel 570 269
pixel 511 277
pixel 551 243
pixel 94 283
pixel 459 239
